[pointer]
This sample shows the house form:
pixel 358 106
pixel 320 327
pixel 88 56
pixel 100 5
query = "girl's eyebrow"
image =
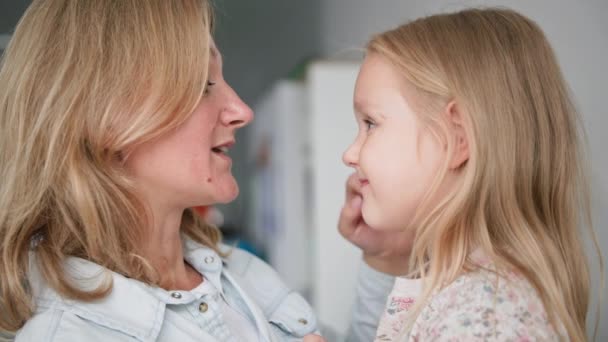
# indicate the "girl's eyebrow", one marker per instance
pixel 359 106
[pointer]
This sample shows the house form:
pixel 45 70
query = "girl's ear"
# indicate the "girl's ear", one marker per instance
pixel 456 124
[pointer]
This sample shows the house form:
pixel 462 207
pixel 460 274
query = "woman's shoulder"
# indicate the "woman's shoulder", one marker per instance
pixel 130 308
pixel 57 324
pixel 485 304
pixel 282 306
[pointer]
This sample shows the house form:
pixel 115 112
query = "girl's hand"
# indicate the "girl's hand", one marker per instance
pixel 313 338
pixel 387 252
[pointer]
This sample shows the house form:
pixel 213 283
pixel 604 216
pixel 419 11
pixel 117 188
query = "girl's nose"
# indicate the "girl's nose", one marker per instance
pixel 351 155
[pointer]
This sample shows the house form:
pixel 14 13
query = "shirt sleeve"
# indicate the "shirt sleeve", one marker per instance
pixel 372 290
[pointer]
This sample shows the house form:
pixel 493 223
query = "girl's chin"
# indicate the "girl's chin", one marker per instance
pixel 376 222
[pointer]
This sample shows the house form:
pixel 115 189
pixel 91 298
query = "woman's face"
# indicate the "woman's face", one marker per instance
pixel 190 165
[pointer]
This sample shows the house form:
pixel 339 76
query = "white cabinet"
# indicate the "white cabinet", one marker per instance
pixel 298 137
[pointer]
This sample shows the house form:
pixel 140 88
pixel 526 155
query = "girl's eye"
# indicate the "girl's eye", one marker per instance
pixel 209 85
pixel 369 124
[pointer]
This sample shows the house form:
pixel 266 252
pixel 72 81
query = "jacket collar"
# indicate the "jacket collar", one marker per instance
pixel 131 307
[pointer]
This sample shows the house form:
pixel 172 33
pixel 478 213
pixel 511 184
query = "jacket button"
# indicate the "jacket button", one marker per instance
pixel 303 321
pixel 209 260
pixel 203 307
pixel 176 295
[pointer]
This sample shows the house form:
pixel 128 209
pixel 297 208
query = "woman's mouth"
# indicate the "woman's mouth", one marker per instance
pixel 222 150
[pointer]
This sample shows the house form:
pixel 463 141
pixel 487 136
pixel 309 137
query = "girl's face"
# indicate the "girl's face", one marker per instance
pixel 394 155
pixel 190 166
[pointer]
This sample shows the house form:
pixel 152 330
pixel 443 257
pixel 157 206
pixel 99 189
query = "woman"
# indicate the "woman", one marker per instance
pixel 115 120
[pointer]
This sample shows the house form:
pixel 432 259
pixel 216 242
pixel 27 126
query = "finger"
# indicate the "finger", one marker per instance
pixel 346 226
pixel 355 204
pixel 353 186
pixel 351 210
pixel 313 338
pixel 352 192
pixel 347 221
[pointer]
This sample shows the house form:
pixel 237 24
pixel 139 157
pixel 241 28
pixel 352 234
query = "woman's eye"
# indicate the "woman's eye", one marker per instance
pixel 369 124
pixel 209 85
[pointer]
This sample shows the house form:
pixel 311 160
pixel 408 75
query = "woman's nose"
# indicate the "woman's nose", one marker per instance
pixel 237 113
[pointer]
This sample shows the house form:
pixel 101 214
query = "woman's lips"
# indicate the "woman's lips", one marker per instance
pixel 223 156
pixel 222 150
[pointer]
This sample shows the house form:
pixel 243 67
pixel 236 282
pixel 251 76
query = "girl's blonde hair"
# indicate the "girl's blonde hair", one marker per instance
pixel 525 187
pixel 81 84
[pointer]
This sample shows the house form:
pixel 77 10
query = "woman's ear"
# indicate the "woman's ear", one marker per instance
pixel 456 124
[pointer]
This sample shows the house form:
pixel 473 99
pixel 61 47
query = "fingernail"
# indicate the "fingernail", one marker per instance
pixel 355 203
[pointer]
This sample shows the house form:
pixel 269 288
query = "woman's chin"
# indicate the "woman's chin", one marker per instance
pixel 221 191
pixel 228 194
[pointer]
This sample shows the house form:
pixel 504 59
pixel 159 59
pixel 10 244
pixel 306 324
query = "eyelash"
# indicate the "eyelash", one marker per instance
pixel 369 124
pixel 209 84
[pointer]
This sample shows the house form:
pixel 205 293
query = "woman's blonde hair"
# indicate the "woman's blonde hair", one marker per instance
pixel 81 84
pixel 525 189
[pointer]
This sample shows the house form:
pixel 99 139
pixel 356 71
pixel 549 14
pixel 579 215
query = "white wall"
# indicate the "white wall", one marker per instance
pixel 260 41
pixel 281 221
pixel 332 127
pixel 578 32
pixel 4 38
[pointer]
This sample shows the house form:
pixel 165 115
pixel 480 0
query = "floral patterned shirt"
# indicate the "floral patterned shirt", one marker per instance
pixel 478 306
pixel 400 300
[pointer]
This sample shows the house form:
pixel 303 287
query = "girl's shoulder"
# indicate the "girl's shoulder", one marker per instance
pixel 485 304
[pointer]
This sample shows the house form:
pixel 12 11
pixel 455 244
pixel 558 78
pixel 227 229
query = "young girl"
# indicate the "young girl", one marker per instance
pixel 468 139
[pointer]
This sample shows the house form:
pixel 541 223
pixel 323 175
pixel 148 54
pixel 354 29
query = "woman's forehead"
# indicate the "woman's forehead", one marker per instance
pixel 216 56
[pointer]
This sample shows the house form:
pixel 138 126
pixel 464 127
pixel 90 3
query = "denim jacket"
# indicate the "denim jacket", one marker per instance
pixel 134 311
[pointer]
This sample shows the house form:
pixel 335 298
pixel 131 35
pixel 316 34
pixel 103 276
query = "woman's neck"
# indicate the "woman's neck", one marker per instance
pixel 164 250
